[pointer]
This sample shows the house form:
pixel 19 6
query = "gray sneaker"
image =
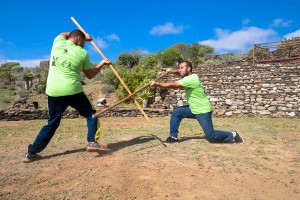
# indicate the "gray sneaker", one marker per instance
pixel 238 139
pixel 94 146
pixel 30 157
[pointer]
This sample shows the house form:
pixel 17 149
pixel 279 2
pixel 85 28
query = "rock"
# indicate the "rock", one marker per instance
pixel 228 102
pixel 101 101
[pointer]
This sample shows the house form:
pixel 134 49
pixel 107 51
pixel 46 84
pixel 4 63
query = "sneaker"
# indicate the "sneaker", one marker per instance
pixel 171 139
pixel 238 139
pixel 94 146
pixel 29 157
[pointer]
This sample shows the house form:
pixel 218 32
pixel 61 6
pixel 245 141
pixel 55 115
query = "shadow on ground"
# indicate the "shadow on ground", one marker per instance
pixel 116 146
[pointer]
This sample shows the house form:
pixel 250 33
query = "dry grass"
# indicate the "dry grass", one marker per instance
pixel 266 167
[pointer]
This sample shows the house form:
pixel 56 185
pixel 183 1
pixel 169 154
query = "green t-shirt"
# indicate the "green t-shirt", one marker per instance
pixel 66 63
pixel 195 95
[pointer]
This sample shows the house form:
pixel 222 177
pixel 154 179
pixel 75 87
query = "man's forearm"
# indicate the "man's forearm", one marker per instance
pixel 91 73
pixel 167 85
pixel 174 71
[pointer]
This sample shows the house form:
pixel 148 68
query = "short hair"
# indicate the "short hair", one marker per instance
pixel 77 33
pixel 188 64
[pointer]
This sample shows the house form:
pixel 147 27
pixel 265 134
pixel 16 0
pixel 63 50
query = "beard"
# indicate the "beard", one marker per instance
pixel 186 73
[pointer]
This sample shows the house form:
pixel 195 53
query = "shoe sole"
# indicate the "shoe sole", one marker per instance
pixel 96 149
pixel 243 141
pixel 27 160
pixel 104 145
pixel 170 143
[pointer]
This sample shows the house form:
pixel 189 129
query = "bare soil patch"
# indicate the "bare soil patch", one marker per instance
pixel 140 166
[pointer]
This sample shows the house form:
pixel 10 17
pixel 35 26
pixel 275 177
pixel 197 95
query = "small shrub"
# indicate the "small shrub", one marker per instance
pixel 209 62
pixel 41 89
pixel 13 93
pixel 2 86
pixel 22 93
pixel 5 100
pixel 107 89
pixel 11 88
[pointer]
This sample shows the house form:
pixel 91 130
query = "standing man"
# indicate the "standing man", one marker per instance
pixel 68 60
pixel 198 107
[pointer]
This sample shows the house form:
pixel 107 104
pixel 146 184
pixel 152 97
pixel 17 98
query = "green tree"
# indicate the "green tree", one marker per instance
pixel 227 57
pixel 9 71
pixel 41 74
pixel 204 50
pixel 149 61
pixel 195 53
pixel 28 76
pixel 130 59
pixel 134 80
pixel 171 56
pixel 183 49
pixel 134 77
pixel 259 52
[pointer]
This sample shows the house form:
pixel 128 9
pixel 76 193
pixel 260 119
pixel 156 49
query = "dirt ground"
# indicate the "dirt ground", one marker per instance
pixel 140 166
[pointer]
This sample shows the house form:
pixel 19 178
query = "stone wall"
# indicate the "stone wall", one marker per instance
pixel 241 89
pixel 262 90
pixel 30 113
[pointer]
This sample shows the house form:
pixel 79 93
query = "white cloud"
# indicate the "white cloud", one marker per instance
pixel 167 29
pixel 145 52
pixel 293 34
pixel 23 63
pixel 240 40
pixel 3 42
pixel 101 43
pixel 281 23
pixel 246 21
pixel 113 37
pixel 105 41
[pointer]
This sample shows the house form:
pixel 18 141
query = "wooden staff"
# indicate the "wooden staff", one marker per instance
pixel 129 96
pixel 113 69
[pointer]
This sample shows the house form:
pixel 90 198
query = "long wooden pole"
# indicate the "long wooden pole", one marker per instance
pixel 113 69
pixel 126 98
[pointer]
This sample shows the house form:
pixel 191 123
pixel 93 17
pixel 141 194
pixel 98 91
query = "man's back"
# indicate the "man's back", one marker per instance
pixel 66 63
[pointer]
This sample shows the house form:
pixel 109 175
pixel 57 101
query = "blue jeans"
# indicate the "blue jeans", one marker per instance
pixel 57 106
pixel 205 122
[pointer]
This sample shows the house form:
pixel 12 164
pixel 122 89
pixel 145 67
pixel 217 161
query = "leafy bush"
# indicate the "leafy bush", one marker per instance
pixel 110 79
pixel 134 79
pixel 209 62
pixel 259 52
pixel 147 93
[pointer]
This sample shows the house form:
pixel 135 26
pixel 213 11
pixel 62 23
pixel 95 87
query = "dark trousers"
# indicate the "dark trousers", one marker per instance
pixel 205 122
pixel 56 107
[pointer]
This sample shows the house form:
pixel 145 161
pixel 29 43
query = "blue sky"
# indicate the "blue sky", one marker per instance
pixel 29 27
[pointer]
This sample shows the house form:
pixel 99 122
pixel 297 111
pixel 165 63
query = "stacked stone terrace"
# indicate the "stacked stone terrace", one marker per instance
pixel 244 90
pixel 262 90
